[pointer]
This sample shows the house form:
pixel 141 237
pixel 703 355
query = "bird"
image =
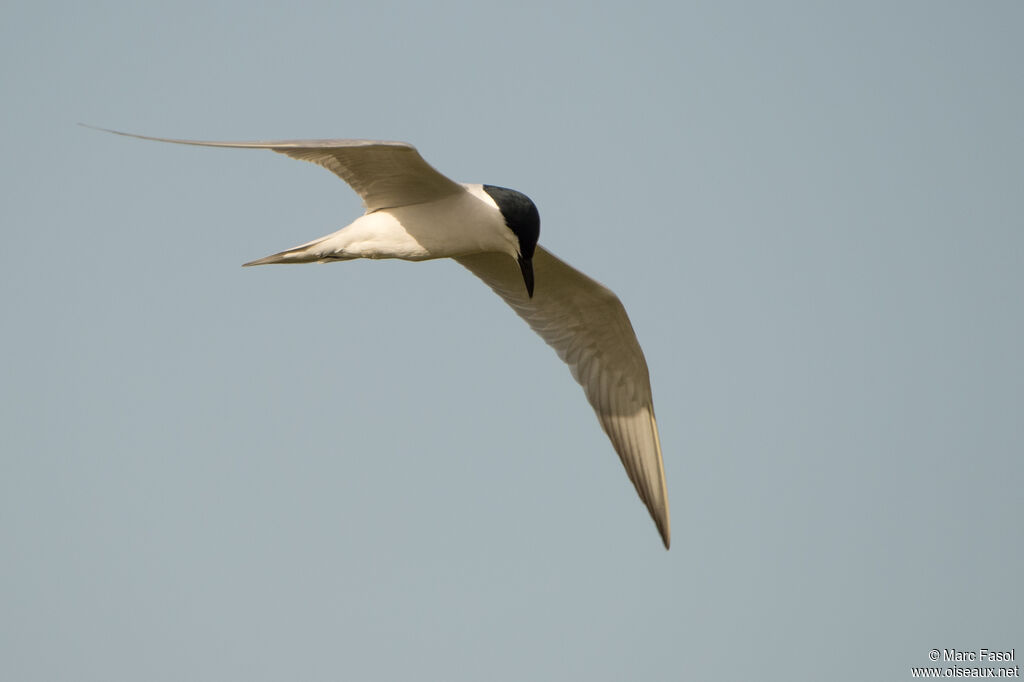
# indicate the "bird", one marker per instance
pixel 415 213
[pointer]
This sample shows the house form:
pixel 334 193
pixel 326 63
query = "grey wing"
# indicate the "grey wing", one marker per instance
pixel 588 327
pixel 384 174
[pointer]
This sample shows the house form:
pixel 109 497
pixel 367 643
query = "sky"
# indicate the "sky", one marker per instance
pixel 376 471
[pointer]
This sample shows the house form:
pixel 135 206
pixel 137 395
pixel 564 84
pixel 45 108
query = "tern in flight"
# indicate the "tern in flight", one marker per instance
pixel 415 213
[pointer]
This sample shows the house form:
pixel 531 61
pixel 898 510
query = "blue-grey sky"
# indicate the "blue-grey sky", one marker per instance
pixel 375 471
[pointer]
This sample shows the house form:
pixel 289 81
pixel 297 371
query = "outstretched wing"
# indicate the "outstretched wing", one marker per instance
pixel 588 327
pixel 384 174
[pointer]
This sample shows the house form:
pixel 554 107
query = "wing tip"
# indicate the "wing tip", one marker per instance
pixel 102 130
pixel 666 534
pixel 664 523
pixel 280 146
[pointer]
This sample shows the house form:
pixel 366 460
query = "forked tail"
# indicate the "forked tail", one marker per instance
pixel 311 252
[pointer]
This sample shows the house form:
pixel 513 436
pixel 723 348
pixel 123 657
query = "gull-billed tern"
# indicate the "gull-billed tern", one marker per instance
pixel 415 213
